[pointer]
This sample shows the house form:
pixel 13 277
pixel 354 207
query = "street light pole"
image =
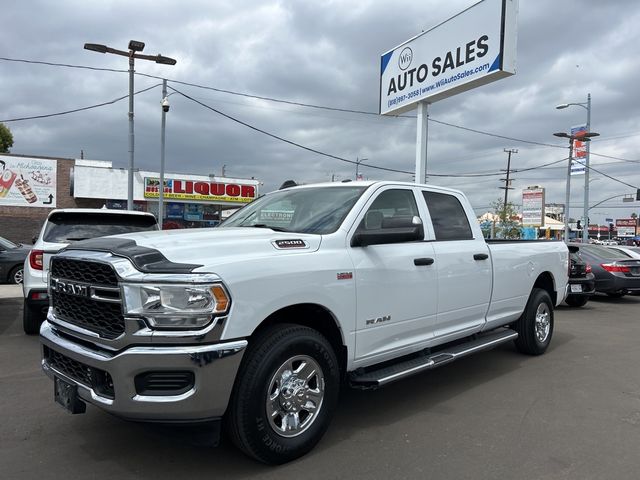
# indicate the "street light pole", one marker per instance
pixel 358 162
pixel 165 109
pixel 587 107
pixel 585 232
pixel 134 46
pixel 584 137
pixel 131 134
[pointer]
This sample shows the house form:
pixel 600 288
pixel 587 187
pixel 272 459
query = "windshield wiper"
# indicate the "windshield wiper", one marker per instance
pixel 264 225
pixel 76 239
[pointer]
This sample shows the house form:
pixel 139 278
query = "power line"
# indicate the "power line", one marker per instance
pixel 67 65
pixel 290 142
pixel 264 132
pixel 289 102
pixel 48 115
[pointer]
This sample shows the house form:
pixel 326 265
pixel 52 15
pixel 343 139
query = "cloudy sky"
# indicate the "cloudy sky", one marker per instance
pixel 325 53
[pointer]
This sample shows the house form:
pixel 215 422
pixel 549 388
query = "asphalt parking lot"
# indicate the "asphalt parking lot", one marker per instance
pixel 573 413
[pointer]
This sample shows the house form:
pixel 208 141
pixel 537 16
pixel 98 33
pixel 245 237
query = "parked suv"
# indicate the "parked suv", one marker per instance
pixel 62 228
pixel 581 280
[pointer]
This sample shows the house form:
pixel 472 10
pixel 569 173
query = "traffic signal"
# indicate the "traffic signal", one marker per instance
pixel 611 227
pixel 578 225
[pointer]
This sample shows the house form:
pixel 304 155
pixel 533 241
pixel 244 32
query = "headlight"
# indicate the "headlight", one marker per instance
pixel 176 305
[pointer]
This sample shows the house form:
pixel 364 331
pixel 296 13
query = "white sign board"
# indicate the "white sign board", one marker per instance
pixel 27 182
pixel 475 47
pixel 533 206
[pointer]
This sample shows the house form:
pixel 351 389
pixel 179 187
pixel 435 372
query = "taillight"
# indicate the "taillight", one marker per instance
pixel 612 267
pixel 35 259
pixel 588 268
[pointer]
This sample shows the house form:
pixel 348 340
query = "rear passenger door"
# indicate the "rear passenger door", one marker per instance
pixel 463 266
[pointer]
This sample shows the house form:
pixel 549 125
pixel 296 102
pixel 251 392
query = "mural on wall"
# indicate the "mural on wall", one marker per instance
pixel 27 182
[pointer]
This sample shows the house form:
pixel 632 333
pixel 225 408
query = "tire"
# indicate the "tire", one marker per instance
pixel 32 318
pixel 16 275
pixel 574 301
pixel 268 383
pixel 535 326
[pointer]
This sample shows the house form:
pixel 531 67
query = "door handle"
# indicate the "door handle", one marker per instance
pixel 480 256
pixel 423 261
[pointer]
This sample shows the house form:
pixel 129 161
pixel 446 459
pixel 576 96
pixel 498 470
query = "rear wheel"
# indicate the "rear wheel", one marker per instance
pixel 285 394
pixel 535 326
pixel 574 301
pixel 32 317
pixel 16 275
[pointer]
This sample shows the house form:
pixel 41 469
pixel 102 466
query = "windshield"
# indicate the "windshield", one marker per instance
pixel 318 210
pixel 7 244
pixel 66 227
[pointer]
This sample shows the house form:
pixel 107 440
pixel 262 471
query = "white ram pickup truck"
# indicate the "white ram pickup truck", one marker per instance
pixel 261 321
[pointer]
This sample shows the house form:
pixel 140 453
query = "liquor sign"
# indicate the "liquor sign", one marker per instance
pixel 27 182
pixel 579 150
pixel 473 48
pixel 533 206
pixel 179 189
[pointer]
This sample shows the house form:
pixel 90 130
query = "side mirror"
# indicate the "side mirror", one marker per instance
pixel 392 230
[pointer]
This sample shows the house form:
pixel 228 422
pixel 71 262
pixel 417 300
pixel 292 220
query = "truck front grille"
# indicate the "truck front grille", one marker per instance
pixel 100 310
pixel 93 273
pixel 99 380
pixel 102 318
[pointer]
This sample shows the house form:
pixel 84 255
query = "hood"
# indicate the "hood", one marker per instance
pixel 216 246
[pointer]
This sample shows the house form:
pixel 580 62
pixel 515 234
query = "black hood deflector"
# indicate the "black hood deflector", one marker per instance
pixel 147 260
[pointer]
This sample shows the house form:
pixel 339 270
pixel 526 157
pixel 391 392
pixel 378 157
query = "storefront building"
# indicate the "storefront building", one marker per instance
pixel 30 187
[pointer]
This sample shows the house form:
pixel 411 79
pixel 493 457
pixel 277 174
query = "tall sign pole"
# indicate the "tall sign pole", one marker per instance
pixel 421 142
pixel 585 231
pixel 567 193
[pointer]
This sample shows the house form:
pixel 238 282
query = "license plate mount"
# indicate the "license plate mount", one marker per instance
pixel 65 394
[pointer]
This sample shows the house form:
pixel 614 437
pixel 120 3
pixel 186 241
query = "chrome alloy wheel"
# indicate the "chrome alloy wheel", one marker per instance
pixel 543 322
pixel 18 276
pixel 295 396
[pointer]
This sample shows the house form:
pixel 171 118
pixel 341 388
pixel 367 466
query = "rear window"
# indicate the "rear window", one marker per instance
pixel 604 252
pixel 67 227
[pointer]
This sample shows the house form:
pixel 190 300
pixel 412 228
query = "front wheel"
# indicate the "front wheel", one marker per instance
pixel 535 326
pixel 285 394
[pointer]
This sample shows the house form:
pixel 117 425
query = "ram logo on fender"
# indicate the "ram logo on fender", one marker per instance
pixel 374 321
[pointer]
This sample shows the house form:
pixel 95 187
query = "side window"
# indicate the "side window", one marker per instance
pixel 387 208
pixel 449 218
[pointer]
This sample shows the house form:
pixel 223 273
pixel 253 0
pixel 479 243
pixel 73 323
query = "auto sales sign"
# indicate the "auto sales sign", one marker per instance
pixel 473 48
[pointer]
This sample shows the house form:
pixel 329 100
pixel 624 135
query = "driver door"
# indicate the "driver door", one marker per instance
pixel 396 285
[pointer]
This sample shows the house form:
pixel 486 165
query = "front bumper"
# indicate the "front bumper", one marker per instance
pixel 214 367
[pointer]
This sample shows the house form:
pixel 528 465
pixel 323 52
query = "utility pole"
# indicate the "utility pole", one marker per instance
pixel 507 181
